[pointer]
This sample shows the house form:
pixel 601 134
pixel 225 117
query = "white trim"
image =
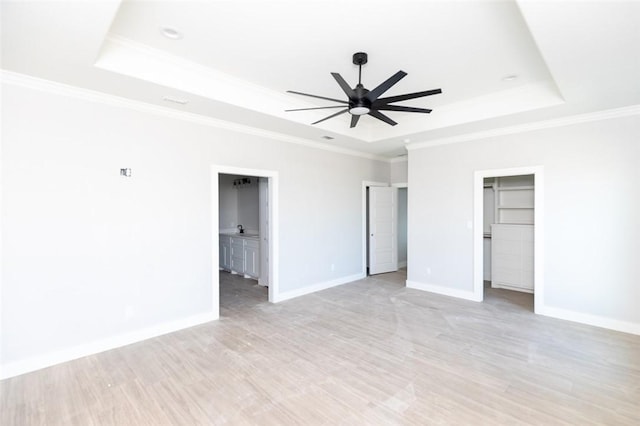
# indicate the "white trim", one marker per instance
pixel 17 79
pixel 1 231
pixel 365 185
pixel 23 80
pixel 528 127
pixel 593 320
pixel 318 287
pixel 445 291
pixel 405 185
pixel 17 368
pixel 401 159
pixel 538 228
pixel 215 243
pixel 274 228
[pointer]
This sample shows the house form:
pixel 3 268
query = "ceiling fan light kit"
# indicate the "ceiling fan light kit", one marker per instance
pixel 362 101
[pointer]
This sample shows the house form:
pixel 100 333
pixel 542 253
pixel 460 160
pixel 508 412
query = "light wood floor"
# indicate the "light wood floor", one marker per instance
pixel 369 352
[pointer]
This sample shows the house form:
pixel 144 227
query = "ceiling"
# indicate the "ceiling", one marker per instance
pixel 498 63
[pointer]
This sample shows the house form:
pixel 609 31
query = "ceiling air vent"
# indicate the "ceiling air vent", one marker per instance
pixel 175 100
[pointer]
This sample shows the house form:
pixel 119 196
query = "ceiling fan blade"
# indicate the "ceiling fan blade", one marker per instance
pixel 381 116
pixel 344 85
pixel 331 116
pixel 402 108
pixel 319 97
pixel 408 96
pixel 354 120
pixel 308 109
pixel 386 85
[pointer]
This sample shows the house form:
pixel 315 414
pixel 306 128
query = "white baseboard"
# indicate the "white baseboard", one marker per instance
pixel 17 368
pixel 445 291
pixel 595 320
pixel 317 287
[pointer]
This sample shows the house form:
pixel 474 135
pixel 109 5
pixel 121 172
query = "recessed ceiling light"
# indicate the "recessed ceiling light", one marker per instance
pixel 510 77
pixel 170 32
pixel 175 100
pixel 327 137
pixel 407 140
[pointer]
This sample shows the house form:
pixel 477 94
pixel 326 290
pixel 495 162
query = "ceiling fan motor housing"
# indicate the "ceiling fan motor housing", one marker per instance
pixel 359 105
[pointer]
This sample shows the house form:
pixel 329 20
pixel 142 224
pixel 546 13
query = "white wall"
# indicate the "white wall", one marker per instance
pixel 249 207
pixel 399 170
pixel 89 255
pixel 592 206
pixel 228 202
pixel 238 205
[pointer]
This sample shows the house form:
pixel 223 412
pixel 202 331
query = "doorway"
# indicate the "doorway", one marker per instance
pixel 379 228
pixel 517 229
pixel 403 195
pixel 258 243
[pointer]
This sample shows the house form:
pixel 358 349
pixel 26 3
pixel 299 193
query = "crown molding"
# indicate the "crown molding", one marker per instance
pixel 34 83
pixel 401 159
pixel 528 127
pixel 124 56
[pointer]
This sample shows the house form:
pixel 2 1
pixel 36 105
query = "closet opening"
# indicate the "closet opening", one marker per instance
pixel 508 234
pixel 508 243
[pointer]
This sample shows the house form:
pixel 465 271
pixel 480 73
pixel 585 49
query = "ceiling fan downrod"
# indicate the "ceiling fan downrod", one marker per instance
pixel 359 59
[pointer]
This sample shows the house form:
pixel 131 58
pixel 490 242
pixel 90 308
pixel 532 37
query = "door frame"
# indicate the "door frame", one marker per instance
pixel 365 252
pixel 538 230
pixel 377 238
pixel 263 223
pixel 404 185
pixel 274 265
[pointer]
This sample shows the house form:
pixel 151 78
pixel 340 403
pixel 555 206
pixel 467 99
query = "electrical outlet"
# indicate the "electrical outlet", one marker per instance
pixel 333 267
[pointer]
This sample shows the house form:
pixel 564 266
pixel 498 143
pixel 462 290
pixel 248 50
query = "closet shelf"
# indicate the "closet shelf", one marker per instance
pixel 515 188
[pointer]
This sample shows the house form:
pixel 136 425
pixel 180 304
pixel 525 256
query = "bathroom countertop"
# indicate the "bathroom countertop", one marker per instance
pixel 237 234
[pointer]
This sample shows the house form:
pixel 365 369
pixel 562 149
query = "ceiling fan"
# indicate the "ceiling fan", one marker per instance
pixel 362 101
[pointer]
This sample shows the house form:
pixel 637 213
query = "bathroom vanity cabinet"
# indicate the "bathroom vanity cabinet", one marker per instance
pixel 240 254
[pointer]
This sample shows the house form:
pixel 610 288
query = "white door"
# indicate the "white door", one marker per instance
pixel 383 229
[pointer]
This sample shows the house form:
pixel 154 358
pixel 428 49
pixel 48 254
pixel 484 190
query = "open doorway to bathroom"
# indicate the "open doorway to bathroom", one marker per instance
pixel 243 277
pixel 244 220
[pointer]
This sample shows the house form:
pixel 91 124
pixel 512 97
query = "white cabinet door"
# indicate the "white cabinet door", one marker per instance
pixel 237 255
pixel 225 252
pixel 240 255
pixel 383 229
pixel 252 258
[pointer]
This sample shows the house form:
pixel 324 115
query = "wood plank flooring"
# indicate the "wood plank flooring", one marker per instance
pixel 369 352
